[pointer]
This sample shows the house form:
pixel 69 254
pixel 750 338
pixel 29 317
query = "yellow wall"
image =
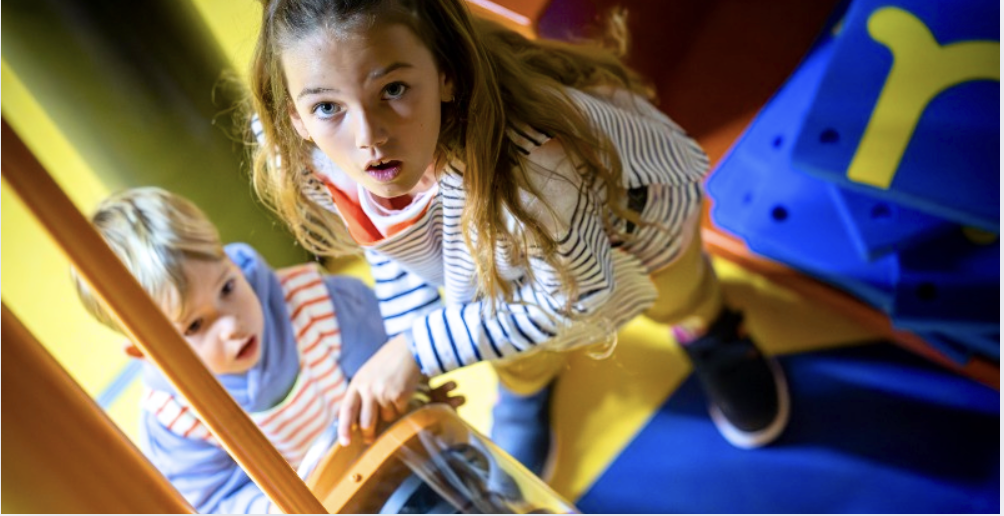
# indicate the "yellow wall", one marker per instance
pixel 234 25
pixel 38 287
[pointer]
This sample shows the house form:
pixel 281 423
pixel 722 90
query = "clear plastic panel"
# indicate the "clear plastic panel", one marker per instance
pixel 455 468
pixel 429 462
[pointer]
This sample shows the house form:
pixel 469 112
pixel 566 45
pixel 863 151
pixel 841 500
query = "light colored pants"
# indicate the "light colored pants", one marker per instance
pixel 688 287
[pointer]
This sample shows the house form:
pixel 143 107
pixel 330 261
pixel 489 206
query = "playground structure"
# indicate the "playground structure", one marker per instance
pixel 267 468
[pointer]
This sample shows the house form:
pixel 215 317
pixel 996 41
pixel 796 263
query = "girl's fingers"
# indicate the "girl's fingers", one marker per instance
pixel 347 416
pixel 401 404
pixel 388 413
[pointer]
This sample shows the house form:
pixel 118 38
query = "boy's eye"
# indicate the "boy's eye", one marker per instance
pixel 395 90
pixel 193 328
pixel 228 287
pixel 327 109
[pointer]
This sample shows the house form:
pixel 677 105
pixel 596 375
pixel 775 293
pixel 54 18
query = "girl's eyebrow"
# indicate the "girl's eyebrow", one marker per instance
pixel 374 75
pixel 380 72
pixel 312 91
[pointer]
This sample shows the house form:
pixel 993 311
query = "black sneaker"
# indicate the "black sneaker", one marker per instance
pixel 747 392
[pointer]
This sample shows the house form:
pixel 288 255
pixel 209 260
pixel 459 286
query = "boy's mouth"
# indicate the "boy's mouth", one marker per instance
pixel 384 171
pixel 248 349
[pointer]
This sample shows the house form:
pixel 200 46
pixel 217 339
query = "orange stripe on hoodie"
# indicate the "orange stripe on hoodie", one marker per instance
pixel 360 226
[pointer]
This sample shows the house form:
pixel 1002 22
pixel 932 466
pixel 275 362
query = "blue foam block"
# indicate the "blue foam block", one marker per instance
pixel 961 348
pixel 879 226
pixel 786 215
pixel 949 284
pixel 949 165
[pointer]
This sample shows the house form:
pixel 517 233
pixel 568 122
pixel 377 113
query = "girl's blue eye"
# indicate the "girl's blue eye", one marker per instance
pixel 395 90
pixel 327 109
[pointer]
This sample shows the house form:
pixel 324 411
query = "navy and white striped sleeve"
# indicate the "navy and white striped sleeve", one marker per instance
pixel 612 285
pixel 403 296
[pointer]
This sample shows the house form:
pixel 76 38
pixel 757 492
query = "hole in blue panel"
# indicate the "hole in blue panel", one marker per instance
pixel 927 291
pixel 829 136
pixel 779 213
pixel 881 211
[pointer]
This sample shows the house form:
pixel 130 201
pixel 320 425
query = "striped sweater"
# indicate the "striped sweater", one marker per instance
pixel 663 173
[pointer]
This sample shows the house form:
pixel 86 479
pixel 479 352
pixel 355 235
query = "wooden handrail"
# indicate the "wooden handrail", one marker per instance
pixel 64 455
pixel 149 329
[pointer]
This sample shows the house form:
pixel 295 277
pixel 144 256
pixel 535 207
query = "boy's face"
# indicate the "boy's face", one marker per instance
pixel 223 319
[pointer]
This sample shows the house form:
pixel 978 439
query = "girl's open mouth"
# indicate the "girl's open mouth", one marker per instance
pixel 384 172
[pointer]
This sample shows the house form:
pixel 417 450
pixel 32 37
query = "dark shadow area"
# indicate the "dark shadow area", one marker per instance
pixel 713 63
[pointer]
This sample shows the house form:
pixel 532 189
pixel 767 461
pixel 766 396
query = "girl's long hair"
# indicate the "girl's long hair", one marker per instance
pixel 500 78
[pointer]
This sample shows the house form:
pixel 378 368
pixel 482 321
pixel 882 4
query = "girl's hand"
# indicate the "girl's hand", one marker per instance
pixel 383 386
pixel 444 394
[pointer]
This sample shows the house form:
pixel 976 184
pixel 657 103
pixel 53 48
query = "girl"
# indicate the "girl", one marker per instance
pixel 531 180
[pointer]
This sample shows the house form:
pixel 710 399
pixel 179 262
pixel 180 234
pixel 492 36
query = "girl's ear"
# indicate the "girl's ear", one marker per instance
pixel 131 350
pixel 445 88
pixel 301 129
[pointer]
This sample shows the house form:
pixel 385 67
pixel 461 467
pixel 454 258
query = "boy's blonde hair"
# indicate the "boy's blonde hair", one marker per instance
pixel 153 232
pixel 500 79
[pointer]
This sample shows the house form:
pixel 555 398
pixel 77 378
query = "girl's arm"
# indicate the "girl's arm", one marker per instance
pixel 203 473
pixel 613 286
pixel 463 334
pixel 386 381
pixel 403 296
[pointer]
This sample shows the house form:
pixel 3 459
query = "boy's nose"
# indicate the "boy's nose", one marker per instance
pixel 230 328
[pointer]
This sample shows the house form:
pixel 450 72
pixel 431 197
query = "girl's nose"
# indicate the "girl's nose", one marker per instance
pixel 369 132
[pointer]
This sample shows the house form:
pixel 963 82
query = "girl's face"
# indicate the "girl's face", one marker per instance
pixel 371 101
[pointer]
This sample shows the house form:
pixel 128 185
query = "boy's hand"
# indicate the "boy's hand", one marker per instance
pixel 381 388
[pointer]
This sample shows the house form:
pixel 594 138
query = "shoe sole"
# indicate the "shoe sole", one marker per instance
pixel 750 440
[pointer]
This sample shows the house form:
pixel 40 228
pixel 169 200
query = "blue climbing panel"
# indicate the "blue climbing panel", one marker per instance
pixel 878 226
pixel 929 269
pixel 911 96
pixel 784 214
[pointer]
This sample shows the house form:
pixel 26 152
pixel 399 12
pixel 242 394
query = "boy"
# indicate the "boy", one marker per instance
pixel 283 343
